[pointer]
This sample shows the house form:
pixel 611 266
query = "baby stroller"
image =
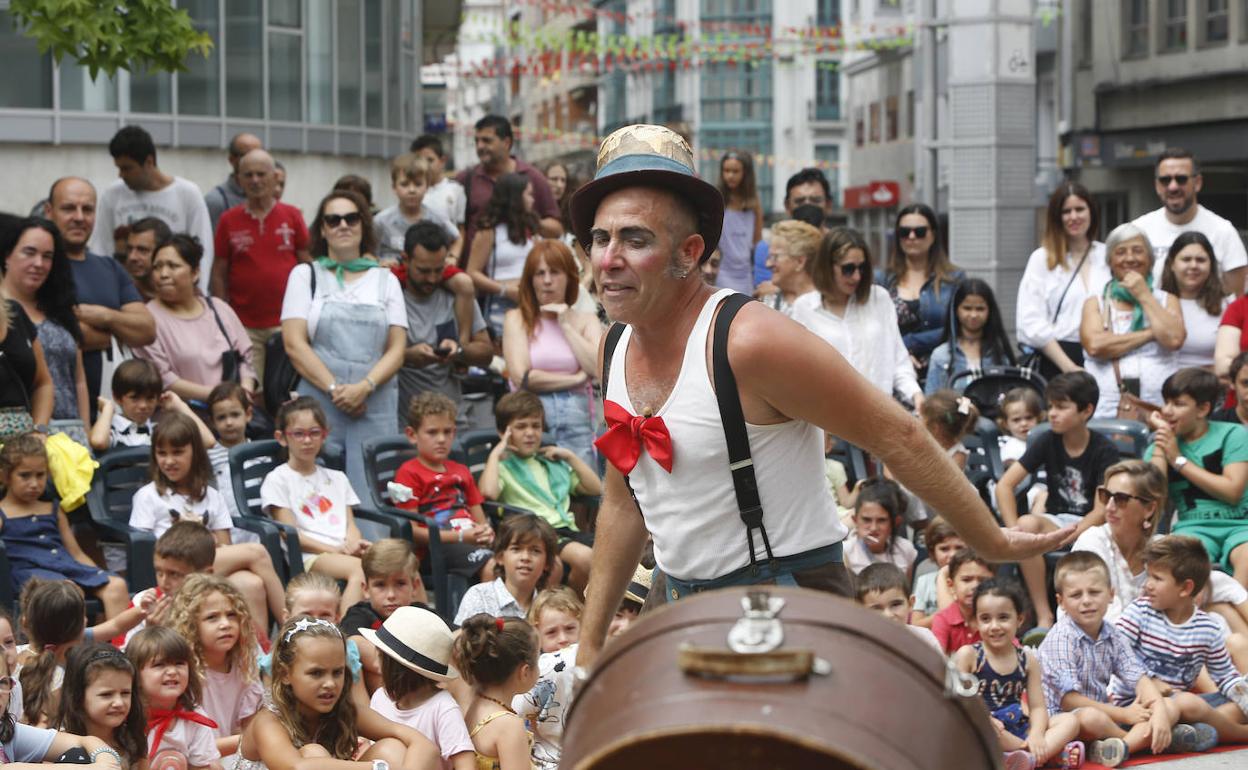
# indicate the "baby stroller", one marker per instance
pixel 987 387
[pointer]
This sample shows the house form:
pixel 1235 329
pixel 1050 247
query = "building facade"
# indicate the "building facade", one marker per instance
pixel 330 86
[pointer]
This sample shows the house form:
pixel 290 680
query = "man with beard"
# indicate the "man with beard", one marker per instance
pixel 1178 181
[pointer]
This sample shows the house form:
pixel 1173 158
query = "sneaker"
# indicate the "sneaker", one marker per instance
pixel 1020 760
pixel 1071 757
pixel 1206 736
pixel 1182 739
pixel 1110 752
pixel 1239 695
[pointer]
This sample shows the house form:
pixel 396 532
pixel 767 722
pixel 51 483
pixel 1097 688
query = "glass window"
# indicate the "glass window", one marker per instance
pixel 1085 33
pixel 79 92
pixel 860 131
pixel 910 113
pixel 1173 25
pixel 1135 27
pixel 244 43
pixel 350 69
pixel 891 106
pixel 285 57
pixel 320 39
pixel 395 93
pixel 828 13
pixel 284 13
pixel 151 92
pixel 874 127
pixel 28 81
pixel 198 87
pixel 827 91
pixel 374 46
pixel 736 93
pixel 1215 26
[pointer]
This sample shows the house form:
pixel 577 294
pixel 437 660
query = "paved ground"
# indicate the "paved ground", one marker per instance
pixel 1225 761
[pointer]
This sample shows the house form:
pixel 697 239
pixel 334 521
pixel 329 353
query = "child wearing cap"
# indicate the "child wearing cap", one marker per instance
pixel 415 646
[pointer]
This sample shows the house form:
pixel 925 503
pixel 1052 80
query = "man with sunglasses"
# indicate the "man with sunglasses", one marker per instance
pixel 1178 181
pixel 258 243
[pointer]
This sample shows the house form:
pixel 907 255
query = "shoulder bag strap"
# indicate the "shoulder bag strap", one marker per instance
pixel 213 307
pixel 740 462
pixel 1058 311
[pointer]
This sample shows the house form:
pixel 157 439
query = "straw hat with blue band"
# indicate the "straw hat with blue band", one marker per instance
pixel 648 156
pixel 417 639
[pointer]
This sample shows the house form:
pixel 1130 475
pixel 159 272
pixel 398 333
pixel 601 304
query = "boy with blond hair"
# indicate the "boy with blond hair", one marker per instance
pixel 391 580
pixel 1082 652
pixel 410 179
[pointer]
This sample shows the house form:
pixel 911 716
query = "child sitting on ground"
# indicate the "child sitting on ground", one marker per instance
pixel 1007 673
pixel 126 420
pixel 879 517
pixel 1074 460
pixel 524 557
pixel 556 615
pixel 315 500
pixel 635 596
pixel 954 626
pixel 1080 654
pixel 185 549
pixel 444 491
pixel 498 658
pixel 171 687
pixel 414 646
pixel 931 593
pixel 180 491
pixel 1207 466
pixel 521 472
pixel 99 699
pixel 391 580
pixel 881 587
pixel 1174 640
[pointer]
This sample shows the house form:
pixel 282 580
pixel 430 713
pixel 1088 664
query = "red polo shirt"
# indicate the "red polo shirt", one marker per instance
pixel 480 187
pixel 260 254
pixel 951 630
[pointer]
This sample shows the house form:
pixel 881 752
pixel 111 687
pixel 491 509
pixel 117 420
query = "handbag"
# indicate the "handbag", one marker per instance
pixel 231 360
pixel 280 376
pixel 1131 406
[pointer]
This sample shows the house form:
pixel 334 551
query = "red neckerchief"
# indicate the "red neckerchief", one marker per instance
pixel 627 434
pixel 161 720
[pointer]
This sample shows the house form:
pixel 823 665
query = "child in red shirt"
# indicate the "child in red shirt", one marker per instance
pixel 953 626
pixel 444 490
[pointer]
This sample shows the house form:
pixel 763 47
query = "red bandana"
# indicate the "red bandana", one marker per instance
pixel 161 720
pixel 627 434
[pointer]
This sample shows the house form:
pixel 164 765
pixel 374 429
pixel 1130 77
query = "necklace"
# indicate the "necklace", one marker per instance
pixel 499 702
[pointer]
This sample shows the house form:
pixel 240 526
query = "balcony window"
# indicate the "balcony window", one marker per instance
pixel 1173 25
pixel 1214 22
pixel 828 13
pixel 827 91
pixel 1134 28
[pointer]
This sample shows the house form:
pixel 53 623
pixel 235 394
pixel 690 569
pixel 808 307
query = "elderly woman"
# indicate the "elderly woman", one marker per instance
pixel 1191 273
pixel 794 245
pixel 1133 495
pixel 855 316
pixel 344 327
pixel 920 280
pixel 552 349
pixel 1130 331
pixel 37 276
pixel 200 342
pixel 1068 268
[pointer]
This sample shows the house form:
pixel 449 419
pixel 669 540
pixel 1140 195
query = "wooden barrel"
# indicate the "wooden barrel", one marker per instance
pixel 669 694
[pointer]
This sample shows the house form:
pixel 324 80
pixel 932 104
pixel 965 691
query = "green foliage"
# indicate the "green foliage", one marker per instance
pixel 108 35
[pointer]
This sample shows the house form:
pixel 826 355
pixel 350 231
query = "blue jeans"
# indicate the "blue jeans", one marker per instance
pixel 782 572
pixel 568 420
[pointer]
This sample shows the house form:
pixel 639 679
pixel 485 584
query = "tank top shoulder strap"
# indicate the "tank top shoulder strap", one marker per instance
pixel 485 721
pixel 980 658
pixel 1022 660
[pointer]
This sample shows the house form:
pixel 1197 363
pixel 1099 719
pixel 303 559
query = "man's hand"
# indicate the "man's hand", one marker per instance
pixel 1021 545
pixel 446 349
pixel 95 315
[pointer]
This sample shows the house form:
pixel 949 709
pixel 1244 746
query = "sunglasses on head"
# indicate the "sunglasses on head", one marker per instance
pixel 1120 498
pixel 849 268
pixel 352 219
pixel 917 232
pixel 1181 179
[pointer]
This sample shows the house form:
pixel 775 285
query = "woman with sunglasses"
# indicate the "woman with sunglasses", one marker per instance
pixel 1068 268
pixel 1134 498
pixel 920 280
pixel 855 316
pixel 346 338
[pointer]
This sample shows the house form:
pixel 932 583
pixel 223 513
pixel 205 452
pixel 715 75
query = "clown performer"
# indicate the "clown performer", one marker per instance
pixel 715 422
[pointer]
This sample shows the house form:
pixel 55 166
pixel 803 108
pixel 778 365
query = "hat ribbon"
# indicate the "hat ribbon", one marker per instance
pixel 410 655
pixel 626 435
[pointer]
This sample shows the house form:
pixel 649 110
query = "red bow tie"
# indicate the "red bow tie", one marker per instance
pixel 627 434
pixel 161 720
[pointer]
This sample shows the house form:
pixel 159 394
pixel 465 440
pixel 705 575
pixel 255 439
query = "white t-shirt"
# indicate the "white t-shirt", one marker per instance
pixel 125 432
pixel 318 501
pixel 1202 333
pixel 228 700
pixel 448 199
pixel 439 719
pixel 155 513
pixel 377 287
pixel 196 742
pixel 928 638
pixel 1228 247
pixel 180 205
pixel 544 706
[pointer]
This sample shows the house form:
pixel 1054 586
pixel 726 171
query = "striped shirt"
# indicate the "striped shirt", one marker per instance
pixel 1174 653
pixel 1072 661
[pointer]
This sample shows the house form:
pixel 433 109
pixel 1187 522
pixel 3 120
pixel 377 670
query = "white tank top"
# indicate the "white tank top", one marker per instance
pixel 692 512
pixel 508 259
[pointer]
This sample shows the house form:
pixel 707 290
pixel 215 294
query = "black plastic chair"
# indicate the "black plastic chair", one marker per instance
pixel 382 459
pixel 1130 436
pixel 120 474
pixel 987 386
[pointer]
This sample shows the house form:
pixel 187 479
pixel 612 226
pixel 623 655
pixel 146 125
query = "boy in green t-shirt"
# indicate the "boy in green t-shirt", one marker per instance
pixel 1207 467
pixel 521 472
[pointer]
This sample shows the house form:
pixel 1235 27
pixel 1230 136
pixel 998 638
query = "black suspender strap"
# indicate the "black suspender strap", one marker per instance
pixel 740 462
pixel 608 350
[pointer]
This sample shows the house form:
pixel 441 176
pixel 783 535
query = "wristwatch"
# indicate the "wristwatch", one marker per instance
pixel 1179 462
pixel 332 386
pixel 381 764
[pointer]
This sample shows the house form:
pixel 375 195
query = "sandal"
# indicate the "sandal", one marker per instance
pixel 1071 757
pixel 1020 760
